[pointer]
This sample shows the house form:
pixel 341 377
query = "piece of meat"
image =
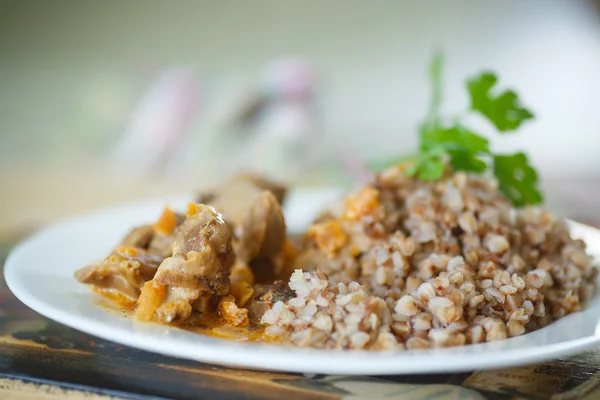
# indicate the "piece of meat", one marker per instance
pixel 164 231
pixel 259 181
pixel 278 267
pixel 162 245
pixel 257 220
pixel 251 204
pixel 264 270
pixel 201 263
pixel 139 237
pixel 265 296
pixel 278 190
pixel 122 274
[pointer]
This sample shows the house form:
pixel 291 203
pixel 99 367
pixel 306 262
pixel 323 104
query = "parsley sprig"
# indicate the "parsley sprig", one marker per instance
pixel 443 142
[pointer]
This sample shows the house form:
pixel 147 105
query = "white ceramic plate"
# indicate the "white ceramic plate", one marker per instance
pixel 40 273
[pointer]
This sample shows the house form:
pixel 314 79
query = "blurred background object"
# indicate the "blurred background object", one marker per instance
pixel 108 101
pixel 158 126
pixel 269 127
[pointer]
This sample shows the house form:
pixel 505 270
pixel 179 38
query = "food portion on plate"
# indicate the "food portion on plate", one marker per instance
pixel 445 248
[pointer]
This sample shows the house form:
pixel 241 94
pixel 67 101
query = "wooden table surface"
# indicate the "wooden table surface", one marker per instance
pixel 41 359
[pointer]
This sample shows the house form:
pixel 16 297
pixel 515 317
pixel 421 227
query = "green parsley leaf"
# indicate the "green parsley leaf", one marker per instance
pixel 466 161
pixel 503 110
pixel 456 137
pixel 517 179
pixel 443 143
pixel 428 165
pixel 432 169
pixel 462 145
